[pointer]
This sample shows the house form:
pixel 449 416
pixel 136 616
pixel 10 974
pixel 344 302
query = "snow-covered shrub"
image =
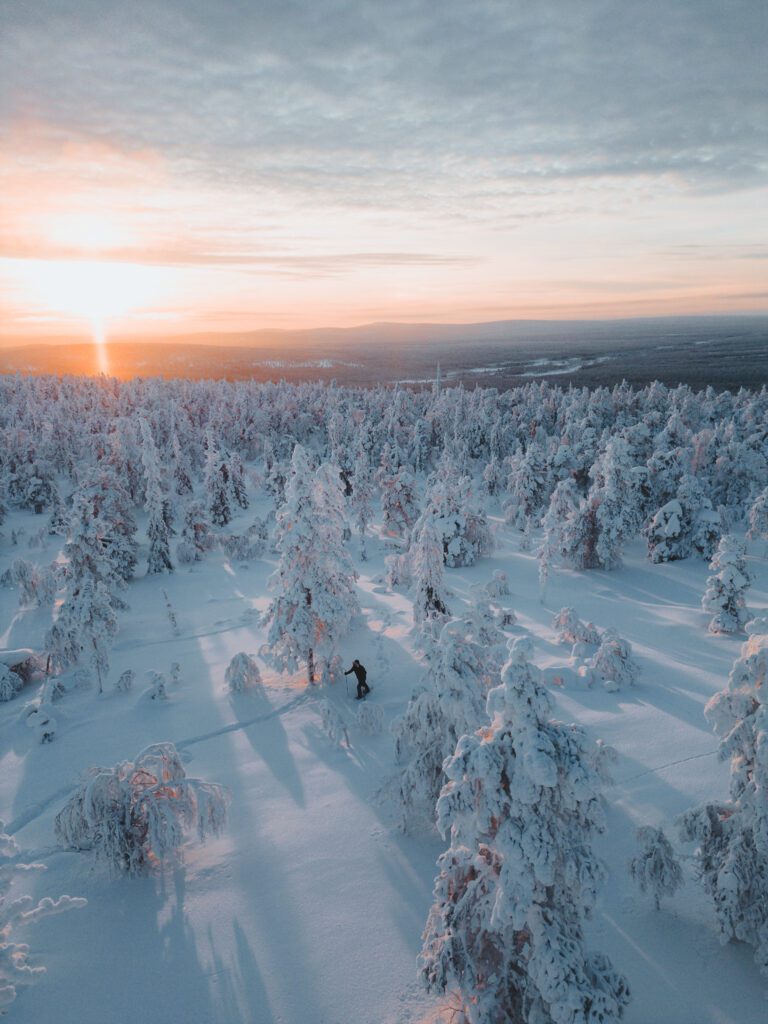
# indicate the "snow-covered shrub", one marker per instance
pixel 613 663
pixel 135 815
pixel 175 673
pixel 41 721
pixel 505 933
pixel 333 724
pixel 242 672
pixel 505 617
pixel 655 869
pixel 157 685
pixel 10 683
pixel 125 682
pixel 369 718
pixel 498 585
pixel 726 589
pixel 570 629
pixel 15 969
pixel 732 835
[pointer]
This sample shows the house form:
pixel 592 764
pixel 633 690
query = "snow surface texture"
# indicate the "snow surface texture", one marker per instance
pixel 310 907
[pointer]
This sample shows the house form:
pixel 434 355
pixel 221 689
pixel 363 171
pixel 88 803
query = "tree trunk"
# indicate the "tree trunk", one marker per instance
pixel 310 666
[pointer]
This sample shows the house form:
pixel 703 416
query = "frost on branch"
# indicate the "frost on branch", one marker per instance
pixel 135 815
pixel 655 869
pixel 732 836
pixel 522 806
pixel 242 672
pixel 15 969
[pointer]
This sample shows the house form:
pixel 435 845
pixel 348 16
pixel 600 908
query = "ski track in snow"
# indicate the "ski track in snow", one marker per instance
pixel 35 810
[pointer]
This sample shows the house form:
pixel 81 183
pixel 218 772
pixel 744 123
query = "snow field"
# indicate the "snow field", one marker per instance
pixel 309 909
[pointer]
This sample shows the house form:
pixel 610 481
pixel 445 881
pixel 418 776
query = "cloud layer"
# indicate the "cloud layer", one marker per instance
pixel 242 128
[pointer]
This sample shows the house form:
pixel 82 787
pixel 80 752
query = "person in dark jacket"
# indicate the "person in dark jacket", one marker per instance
pixel 360 674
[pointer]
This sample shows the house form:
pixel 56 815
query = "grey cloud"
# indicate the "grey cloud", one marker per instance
pixel 405 103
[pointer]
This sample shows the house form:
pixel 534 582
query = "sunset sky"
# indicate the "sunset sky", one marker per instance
pixel 176 166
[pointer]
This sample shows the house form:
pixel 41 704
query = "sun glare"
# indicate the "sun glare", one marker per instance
pixel 99 293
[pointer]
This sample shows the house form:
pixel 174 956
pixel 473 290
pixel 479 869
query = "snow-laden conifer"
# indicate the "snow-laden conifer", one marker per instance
pixel 314 583
pixel 398 503
pixel 135 815
pixel 654 868
pixel 362 496
pixel 732 835
pixel 426 564
pixel 158 526
pixel 450 704
pixel 758 517
pixel 505 934
pixel 726 589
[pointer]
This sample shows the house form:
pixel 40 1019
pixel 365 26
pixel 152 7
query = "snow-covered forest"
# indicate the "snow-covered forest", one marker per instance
pixel 550 808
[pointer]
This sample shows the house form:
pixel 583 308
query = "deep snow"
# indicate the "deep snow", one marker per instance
pixel 310 908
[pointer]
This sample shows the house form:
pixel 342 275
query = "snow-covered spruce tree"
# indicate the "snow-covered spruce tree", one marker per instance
pixel 726 589
pixel 655 869
pixel 705 524
pixel 242 673
pixel 426 557
pixel 15 969
pixel 668 534
pixel 617 505
pixel 196 535
pixel 217 483
pixel 362 496
pixel 449 705
pixel 732 835
pixel 461 526
pixel 522 805
pixel 111 504
pixel 135 815
pixel 87 618
pixel 314 583
pixel 562 505
pixel 398 503
pixel 158 531
pixel 758 517
pixel 236 471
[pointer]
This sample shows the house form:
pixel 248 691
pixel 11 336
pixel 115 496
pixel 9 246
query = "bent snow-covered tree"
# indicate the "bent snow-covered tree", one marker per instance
pixel 136 814
pixel 522 805
pixel 732 835
pixel 314 583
